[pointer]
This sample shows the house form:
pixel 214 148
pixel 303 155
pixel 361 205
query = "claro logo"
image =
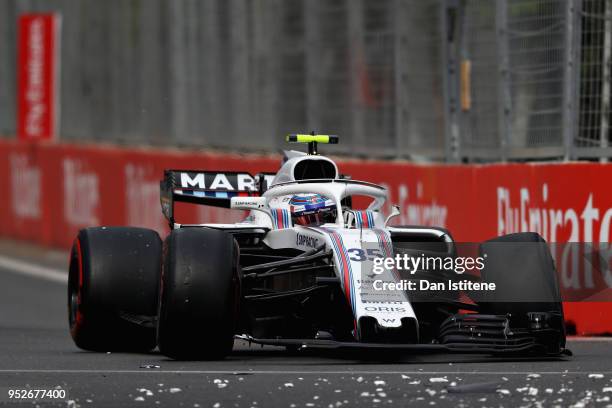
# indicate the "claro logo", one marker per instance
pixel 81 194
pixel 25 187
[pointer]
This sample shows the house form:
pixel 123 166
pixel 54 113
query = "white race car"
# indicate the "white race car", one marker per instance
pixel 308 267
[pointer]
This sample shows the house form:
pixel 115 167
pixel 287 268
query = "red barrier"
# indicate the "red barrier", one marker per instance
pixel 56 189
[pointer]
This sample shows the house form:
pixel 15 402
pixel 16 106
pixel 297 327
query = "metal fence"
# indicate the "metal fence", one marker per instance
pixel 593 137
pixel 516 49
pixel 455 80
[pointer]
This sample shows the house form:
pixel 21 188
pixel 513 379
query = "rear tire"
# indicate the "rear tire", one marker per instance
pixel 523 270
pixel 200 294
pixel 113 283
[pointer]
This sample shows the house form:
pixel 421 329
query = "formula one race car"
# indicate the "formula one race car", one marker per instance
pixel 308 267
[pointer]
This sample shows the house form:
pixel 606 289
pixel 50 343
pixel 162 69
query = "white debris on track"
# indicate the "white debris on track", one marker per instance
pixel 174 390
pixel 438 380
pixel 596 376
pixel 533 375
pixel 147 392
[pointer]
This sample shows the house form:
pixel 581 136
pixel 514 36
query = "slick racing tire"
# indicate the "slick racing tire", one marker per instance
pixel 113 284
pixel 200 294
pixel 523 270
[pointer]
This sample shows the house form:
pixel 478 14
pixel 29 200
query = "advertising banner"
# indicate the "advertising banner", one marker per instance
pixel 53 190
pixel 38 76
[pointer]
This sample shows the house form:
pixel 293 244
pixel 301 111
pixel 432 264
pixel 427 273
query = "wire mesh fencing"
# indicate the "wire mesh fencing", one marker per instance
pixel 445 80
pixel 536 34
pixel 516 49
pixel 238 74
pixel 481 123
pixel 593 136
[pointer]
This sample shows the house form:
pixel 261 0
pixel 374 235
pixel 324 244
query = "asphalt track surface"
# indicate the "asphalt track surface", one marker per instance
pixel 36 351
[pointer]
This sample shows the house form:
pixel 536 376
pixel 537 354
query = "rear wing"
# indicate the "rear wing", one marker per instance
pixel 208 188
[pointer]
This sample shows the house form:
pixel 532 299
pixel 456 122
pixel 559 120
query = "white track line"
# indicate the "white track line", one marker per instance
pixel 293 372
pixel 36 271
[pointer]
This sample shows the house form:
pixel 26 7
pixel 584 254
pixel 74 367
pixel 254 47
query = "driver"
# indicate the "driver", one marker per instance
pixel 307 209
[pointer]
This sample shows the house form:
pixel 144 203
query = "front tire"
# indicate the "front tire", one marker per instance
pixel 113 283
pixel 199 295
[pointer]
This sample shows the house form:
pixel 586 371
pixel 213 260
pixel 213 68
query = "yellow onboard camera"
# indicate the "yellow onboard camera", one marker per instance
pixel 312 140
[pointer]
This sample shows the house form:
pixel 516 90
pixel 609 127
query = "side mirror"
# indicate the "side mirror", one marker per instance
pixel 395 211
